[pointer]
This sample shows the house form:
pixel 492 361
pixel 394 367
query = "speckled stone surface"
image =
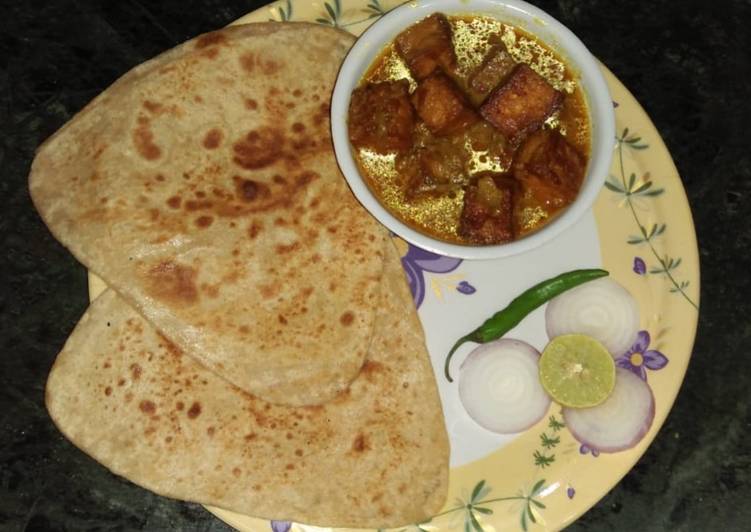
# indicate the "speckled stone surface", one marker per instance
pixel 686 62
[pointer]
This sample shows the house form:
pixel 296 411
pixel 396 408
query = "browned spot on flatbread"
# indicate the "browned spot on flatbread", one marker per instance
pixel 204 221
pixel 297 93
pixel 212 139
pixel 198 205
pixel 370 370
pixel 211 53
pixel 143 139
pixel 322 116
pixel 208 39
pixel 147 407
pixel 174 202
pixel 152 107
pixel 210 431
pixel 254 229
pixel 171 348
pixel 248 62
pixel 306 177
pixel 347 318
pixel 251 104
pixel 211 290
pixel 268 291
pixel 282 249
pixel 172 282
pixel 108 390
pixel 269 66
pixel 194 411
pixel 282 320
pixel 360 443
pixel 136 371
pixel 179 405
pixel 248 190
pixel 236 471
pixel 298 127
pixel 259 148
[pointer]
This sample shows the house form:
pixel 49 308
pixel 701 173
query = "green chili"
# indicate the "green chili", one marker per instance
pixel 504 320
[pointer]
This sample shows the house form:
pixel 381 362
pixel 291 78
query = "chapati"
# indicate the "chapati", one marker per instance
pixel 202 186
pixel 376 456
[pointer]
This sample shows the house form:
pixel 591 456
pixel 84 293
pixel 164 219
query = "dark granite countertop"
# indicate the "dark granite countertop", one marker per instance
pixel 686 62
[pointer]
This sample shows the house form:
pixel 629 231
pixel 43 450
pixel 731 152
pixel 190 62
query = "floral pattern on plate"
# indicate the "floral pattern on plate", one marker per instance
pixel 638 358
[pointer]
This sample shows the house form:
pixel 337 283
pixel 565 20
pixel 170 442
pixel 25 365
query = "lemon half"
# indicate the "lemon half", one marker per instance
pixel 577 371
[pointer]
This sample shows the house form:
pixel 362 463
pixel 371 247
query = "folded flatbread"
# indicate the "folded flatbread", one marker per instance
pixel 202 186
pixel 376 456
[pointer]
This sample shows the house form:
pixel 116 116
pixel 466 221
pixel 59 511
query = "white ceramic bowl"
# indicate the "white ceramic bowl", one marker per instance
pixel 534 21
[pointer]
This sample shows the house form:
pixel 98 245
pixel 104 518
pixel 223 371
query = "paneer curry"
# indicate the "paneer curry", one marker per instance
pixel 470 130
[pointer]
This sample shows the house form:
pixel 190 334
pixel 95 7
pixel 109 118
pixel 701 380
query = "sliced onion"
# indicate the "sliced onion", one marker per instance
pixel 602 309
pixel 500 388
pixel 620 422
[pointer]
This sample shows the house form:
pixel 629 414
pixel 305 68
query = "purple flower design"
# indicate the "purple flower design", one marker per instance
pixel 281 526
pixel 586 449
pixel 570 492
pixel 417 261
pixel 640 268
pixel 639 357
pixel 465 288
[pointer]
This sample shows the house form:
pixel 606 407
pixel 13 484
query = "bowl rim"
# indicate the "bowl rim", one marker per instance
pixel 596 93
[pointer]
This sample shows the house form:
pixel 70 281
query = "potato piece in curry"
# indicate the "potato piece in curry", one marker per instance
pixel 474 150
pixel 488 213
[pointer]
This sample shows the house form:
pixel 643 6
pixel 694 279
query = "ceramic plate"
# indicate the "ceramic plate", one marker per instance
pixel 640 230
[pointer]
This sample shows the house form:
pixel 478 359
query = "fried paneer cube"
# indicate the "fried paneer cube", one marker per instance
pixel 550 168
pixel 426 46
pixel 381 117
pixel 442 105
pixel 521 105
pixel 487 215
pixel 493 70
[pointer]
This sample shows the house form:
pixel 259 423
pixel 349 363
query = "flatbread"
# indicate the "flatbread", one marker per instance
pixel 203 187
pixel 376 456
